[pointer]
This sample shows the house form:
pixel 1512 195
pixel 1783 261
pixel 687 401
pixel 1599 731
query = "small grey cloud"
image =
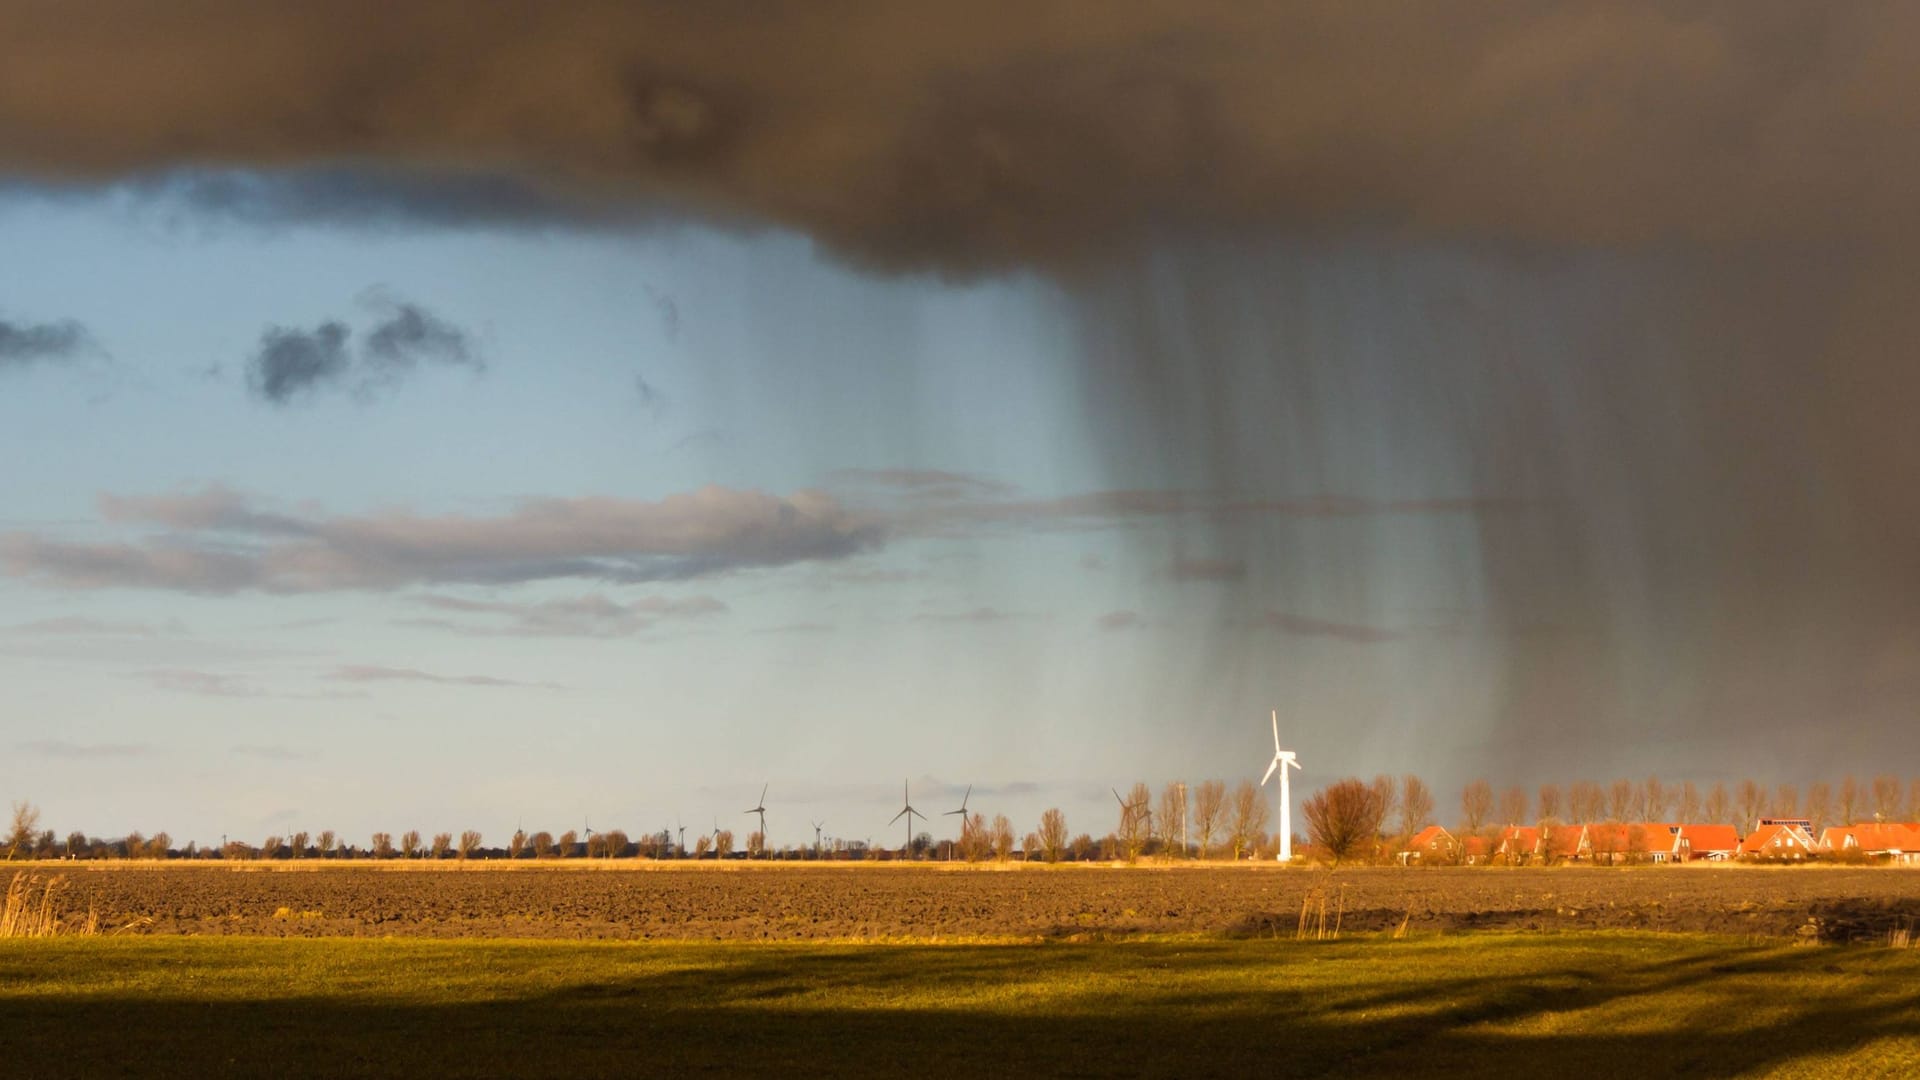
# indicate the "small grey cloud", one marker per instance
pixel 798 628
pixel 924 483
pixel 1092 562
pixel 409 334
pixel 1304 626
pixel 203 683
pixel 60 748
pixel 1207 570
pixel 24 343
pixel 667 309
pixel 291 363
pixel 652 401
pixel 1119 620
pixel 369 673
pixel 273 752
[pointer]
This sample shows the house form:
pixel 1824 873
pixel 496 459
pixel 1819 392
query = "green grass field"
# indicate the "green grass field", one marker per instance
pixel 1543 1005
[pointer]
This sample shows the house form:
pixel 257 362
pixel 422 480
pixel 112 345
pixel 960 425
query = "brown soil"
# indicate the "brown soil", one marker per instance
pixel 644 901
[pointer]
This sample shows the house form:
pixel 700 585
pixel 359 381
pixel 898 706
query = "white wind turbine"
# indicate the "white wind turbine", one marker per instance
pixel 1282 758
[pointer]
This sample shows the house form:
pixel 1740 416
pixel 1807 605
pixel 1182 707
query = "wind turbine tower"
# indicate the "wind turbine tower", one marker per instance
pixel 1282 761
pixel 909 813
pixel 761 809
pixel 816 838
pixel 963 814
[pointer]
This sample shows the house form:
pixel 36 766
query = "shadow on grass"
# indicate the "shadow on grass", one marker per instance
pixel 1143 1009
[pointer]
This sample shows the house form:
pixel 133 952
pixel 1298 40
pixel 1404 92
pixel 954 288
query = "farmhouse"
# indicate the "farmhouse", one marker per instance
pixel 1431 844
pixel 1779 838
pixel 1518 844
pixel 1715 842
pixel 1896 841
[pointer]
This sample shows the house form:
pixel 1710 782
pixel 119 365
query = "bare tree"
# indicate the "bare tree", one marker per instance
pixel 1549 802
pixel 1249 818
pixel 615 841
pixel 469 843
pixel 442 845
pixel 1786 801
pixel 1416 805
pixel 975 844
pixel 1849 801
pixel 273 847
pixel 563 844
pixel 299 845
pixel 1751 800
pixel 382 845
pixel 1620 800
pixel 410 844
pixel 26 825
pixel 1173 815
pixel 328 842
pixel 1343 818
pixel 1586 802
pixel 1819 805
pixel 1886 797
pixel 723 843
pixel 756 844
pixel 1719 807
pixel 1083 847
pixel 1476 804
pixel 1209 811
pixel 1053 833
pixel 135 845
pixel 541 844
pixel 159 846
pixel 1135 832
pixel 76 846
pixel 700 845
pixel 1654 799
pixel 1689 810
pixel 1002 837
pixel 1387 793
pixel 1513 806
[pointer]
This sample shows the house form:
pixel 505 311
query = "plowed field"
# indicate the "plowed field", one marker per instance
pixel 641 901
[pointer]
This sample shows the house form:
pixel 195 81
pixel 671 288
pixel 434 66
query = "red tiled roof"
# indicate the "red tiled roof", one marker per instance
pixel 1517 839
pixel 1877 836
pixel 1431 838
pixel 1704 838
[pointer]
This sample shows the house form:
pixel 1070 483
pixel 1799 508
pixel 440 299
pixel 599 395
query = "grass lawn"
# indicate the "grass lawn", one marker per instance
pixel 1556 1006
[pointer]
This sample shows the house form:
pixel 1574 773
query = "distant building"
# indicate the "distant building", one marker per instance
pixel 1779 838
pixel 1895 841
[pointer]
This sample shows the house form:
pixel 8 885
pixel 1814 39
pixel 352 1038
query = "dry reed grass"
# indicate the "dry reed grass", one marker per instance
pixel 30 909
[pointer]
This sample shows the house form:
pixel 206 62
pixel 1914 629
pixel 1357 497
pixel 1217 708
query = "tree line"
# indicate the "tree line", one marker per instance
pixel 1346 819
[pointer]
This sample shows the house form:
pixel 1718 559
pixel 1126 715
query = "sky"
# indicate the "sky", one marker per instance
pixel 582 418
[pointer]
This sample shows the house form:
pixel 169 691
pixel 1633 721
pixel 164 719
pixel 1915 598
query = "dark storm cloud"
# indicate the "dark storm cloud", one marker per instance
pixel 996 134
pixel 25 343
pixel 292 363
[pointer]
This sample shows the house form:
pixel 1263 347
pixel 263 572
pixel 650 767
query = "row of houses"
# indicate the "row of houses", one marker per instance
pixel 1661 842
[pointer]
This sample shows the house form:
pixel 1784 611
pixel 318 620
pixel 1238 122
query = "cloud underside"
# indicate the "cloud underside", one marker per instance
pixel 217 541
pixel 374 673
pixel 25 343
pixel 590 615
pixel 972 137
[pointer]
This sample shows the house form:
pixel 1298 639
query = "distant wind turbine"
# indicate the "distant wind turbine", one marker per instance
pixel 761 809
pixel 1282 758
pixel 909 813
pixel 816 838
pixel 962 812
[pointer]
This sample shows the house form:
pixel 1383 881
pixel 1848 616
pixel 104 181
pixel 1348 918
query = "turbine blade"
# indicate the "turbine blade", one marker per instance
pixel 763 793
pixel 1276 731
pixel 897 817
pixel 1270 767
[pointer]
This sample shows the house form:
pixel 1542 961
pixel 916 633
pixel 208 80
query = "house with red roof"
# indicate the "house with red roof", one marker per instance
pixel 1432 844
pixel 1779 838
pixel 1517 844
pixel 1895 841
pixel 1715 842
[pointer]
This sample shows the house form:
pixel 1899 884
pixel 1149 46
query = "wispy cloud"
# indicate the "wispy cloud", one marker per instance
pixel 1207 570
pixel 82 626
pixel 60 748
pixel 1305 626
pixel 976 615
pixel 273 752
pixel 798 628
pixel 203 683
pixel 590 615
pixel 220 541
pixel 373 673
pixel 1118 620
